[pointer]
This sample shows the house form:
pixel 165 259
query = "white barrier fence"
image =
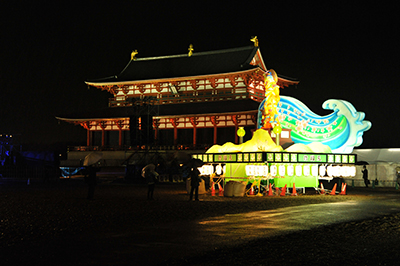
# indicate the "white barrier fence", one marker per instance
pixel 384 173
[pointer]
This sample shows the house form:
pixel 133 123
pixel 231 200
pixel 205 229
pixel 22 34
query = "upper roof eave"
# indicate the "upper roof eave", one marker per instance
pixel 99 84
pixel 288 80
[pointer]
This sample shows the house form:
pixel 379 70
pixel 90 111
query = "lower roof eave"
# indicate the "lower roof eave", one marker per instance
pixel 156 117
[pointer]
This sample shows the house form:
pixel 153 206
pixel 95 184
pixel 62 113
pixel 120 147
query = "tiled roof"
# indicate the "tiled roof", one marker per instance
pixel 176 66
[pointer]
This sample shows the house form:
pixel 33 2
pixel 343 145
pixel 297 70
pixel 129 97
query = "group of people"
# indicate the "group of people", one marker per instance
pixel 151 177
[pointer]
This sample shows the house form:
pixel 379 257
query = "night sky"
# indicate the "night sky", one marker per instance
pixel 337 51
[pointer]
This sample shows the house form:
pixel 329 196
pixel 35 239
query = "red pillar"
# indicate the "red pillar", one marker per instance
pixel 215 134
pixel 175 136
pixel 120 137
pixel 86 125
pixel 194 136
pixel 103 125
pixel 235 120
pixel 215 122
pixel 194 121
pixel 174 122
pixel 156 124
pixel 103 137
pixel 119 124
pixel 88 138
pixel 236 136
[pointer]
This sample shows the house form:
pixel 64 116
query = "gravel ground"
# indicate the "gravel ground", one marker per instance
pixel 370 242
pixel 41 224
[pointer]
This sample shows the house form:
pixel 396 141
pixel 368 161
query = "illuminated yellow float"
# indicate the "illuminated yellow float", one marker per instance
pixel 260 158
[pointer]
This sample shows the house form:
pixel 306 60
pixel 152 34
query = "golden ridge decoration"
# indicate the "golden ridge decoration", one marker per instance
pixel 133 55
pixel 255 40
pixel 190 50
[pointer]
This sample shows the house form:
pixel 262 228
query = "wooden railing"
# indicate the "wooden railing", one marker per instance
pixel 140 147
pixel 188 97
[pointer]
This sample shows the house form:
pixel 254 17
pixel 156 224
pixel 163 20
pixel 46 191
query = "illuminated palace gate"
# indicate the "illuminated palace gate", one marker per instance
pixel 195 99
pixel 182 129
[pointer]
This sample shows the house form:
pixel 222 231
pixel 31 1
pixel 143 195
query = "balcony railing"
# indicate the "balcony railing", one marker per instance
pixel 140 147
pixel 200 96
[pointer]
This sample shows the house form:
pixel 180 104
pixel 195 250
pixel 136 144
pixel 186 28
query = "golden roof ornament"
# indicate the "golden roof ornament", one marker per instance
pixel 255 40
pixel 190 50
pixel 133 55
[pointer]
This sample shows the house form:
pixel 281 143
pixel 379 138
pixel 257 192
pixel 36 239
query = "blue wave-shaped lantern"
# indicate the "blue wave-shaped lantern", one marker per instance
pixel 341 130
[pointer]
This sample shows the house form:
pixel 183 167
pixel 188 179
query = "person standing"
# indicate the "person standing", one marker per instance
pixel 365 176
pixel 91 180
pixel 151 179
pixel 194 183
